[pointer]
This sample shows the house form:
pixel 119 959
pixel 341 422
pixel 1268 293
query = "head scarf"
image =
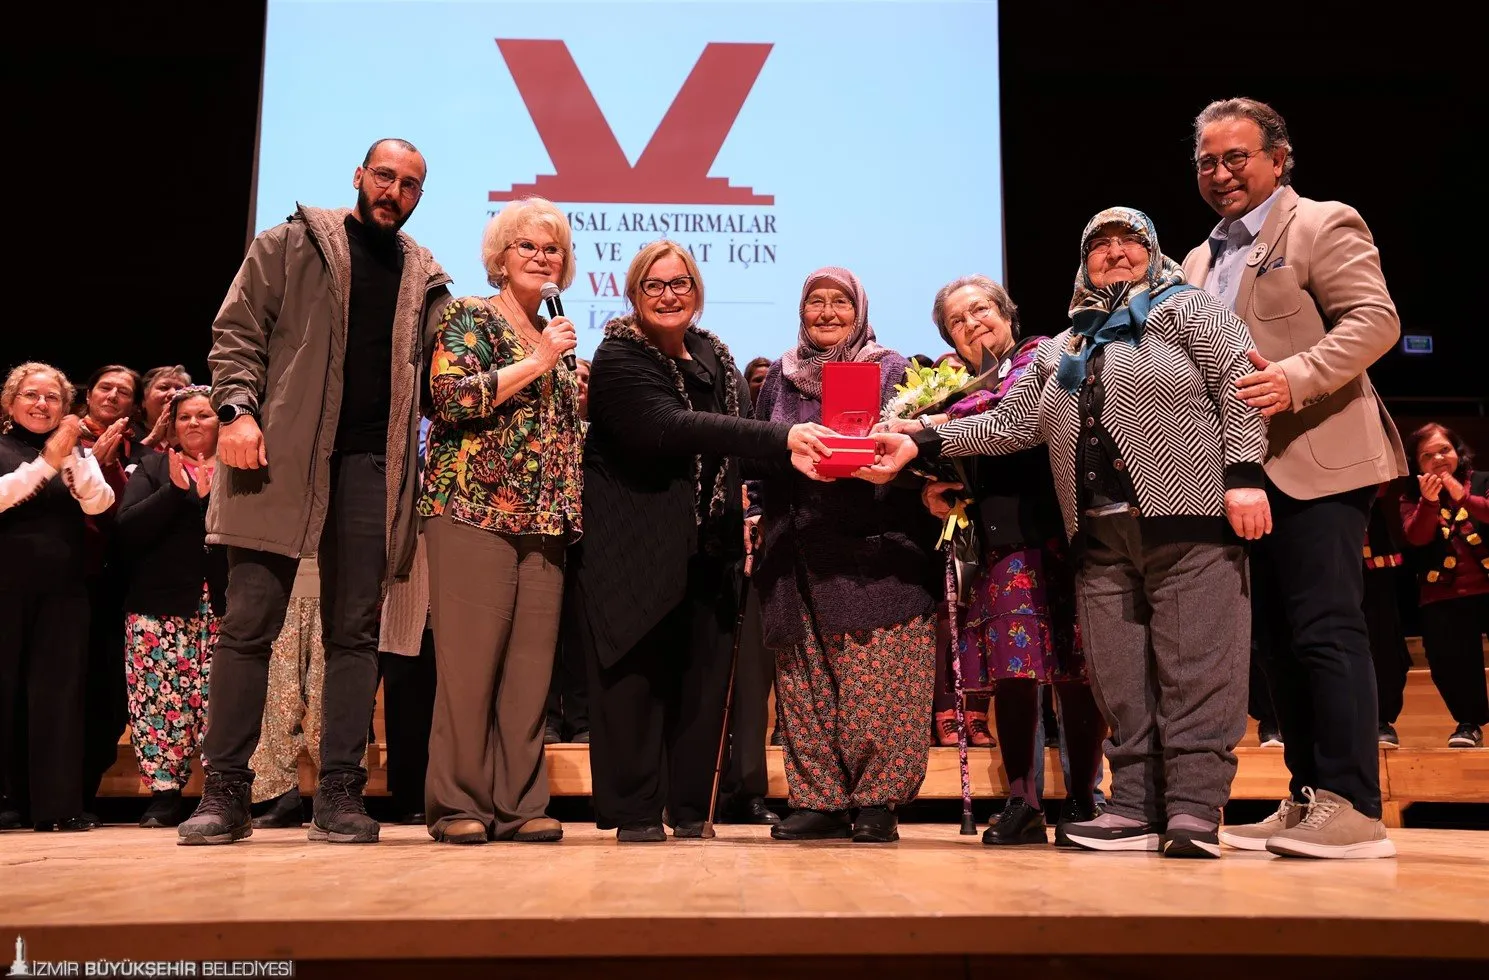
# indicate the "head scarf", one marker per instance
pixel 1116 311
pixel 803 366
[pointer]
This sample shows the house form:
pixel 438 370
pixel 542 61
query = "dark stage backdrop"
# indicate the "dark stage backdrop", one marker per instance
pixel 133 130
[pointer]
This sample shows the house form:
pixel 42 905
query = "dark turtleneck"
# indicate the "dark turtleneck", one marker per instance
pixel 367 371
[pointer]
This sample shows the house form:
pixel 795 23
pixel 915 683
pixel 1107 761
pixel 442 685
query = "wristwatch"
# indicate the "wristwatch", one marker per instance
pixel 230 413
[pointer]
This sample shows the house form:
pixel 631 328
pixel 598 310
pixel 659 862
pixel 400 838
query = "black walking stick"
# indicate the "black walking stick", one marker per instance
pixel 718 768
pixel 969 825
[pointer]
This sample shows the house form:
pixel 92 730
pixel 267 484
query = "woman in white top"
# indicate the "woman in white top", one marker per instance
pixel 47 486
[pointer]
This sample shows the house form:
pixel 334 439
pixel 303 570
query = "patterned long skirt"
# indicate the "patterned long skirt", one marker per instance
pixel 292 705
pixel 854 707
pixel 167 662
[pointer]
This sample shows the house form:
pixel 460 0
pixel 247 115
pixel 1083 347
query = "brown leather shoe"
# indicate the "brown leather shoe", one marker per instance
pixel 978 732
pixel 541 830
pixel 463 832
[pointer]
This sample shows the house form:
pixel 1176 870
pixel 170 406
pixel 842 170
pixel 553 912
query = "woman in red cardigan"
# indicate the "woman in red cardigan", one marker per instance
pixel 1446 517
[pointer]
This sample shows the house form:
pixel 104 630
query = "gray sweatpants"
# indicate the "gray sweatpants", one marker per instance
pixel 1167 633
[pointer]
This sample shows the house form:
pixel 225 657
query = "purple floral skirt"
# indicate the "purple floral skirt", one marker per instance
pixel 1020 621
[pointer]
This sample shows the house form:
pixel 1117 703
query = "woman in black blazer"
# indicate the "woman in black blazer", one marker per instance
pixel 657 586
pixel 174 598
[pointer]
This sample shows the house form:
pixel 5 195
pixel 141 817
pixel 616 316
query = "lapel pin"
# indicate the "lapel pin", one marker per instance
pixel 1258 252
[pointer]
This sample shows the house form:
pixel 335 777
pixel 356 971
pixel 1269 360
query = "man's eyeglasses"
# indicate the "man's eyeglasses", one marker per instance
pixel 384 178
pixel 1124 242
pixel 1234 161
pixel 680 286
pixel 528 250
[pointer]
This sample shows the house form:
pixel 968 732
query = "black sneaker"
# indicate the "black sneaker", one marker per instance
pixel 222 815
pixel 70 825
pixel 581 737
pixel 1097 838
pixel 876 825
pixel 283 811
pixel 340 815
pixel 641 832
pixel 1466 737
pixel 813 825
pixel 1019 823
pixel 552 733
pixel 164 809
pixel 10 817
pixel 1190 844
pixel 1387 735
pixel 1269 738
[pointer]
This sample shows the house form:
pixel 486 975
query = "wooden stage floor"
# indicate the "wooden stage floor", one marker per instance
pixel 125 892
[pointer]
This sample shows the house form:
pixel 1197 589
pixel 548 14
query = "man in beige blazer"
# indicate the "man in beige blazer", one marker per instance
pixel 1305 276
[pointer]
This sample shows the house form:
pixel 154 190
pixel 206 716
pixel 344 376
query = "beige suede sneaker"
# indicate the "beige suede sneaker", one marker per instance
pixel 1254 836
pixel 1333 828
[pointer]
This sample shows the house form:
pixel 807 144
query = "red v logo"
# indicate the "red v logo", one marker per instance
pixel 673 169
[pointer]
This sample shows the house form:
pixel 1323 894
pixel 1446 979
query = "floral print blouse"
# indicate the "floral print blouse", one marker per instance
pixel 515 468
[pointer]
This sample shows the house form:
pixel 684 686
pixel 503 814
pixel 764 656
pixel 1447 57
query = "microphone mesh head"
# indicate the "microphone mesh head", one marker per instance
pixel 549 290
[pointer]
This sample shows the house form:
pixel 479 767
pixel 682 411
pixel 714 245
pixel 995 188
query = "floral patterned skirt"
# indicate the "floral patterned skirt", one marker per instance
pixel 1020 621
pixel 167 660
pixel 853 708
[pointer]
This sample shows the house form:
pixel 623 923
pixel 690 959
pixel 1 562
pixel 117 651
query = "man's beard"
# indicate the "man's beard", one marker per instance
pixel 370 219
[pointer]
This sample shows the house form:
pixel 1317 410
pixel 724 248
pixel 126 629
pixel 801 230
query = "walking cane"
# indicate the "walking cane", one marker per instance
pixel 969 825
pixel 718 767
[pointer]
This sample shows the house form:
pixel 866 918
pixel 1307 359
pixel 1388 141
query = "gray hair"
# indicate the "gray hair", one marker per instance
pixel 1267 119
pixel 996 295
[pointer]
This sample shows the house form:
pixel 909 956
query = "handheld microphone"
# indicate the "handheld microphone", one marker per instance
pixel 549 292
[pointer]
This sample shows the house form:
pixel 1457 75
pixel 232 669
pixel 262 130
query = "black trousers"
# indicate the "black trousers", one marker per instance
pixel 568 696
pixel 43 659
pixel 1387 642
pixel 1452 632
pixel 1308 595
pixel 749 717
pixel 351 557
pixel 408 714
pixel 106 702
pixel 656 715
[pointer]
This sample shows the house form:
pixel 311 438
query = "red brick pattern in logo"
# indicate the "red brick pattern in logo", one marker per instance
pixel 673 169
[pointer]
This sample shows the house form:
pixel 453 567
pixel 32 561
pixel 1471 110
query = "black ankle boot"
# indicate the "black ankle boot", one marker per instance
pixel 340 813
pixel 813 825
pixel 283 811
pixel 1019 823
pixel 876 825
pixel 164 809
pixel 222 815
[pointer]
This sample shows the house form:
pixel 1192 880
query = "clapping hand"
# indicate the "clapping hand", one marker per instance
pixel 107 447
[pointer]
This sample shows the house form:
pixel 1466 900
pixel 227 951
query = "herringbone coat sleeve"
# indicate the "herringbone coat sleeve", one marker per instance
pixel 1217 341
pixel 1010 427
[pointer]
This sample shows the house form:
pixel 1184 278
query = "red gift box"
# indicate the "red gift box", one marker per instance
pixel 850 407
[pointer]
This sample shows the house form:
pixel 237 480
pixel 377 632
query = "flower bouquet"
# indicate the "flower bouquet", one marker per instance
pixel 930 391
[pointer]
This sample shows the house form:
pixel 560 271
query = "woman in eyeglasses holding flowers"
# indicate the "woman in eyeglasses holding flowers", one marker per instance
pixel 500 500
pixel 657 584
pixel 1018 631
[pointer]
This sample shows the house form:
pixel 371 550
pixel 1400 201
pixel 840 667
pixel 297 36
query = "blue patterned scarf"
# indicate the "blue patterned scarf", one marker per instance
pixel 1102 314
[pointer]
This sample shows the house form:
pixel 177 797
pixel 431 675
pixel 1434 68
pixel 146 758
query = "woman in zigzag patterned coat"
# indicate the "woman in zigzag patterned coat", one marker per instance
pixel 1158 471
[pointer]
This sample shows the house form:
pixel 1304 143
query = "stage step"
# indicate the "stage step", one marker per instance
pixel 1422 770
